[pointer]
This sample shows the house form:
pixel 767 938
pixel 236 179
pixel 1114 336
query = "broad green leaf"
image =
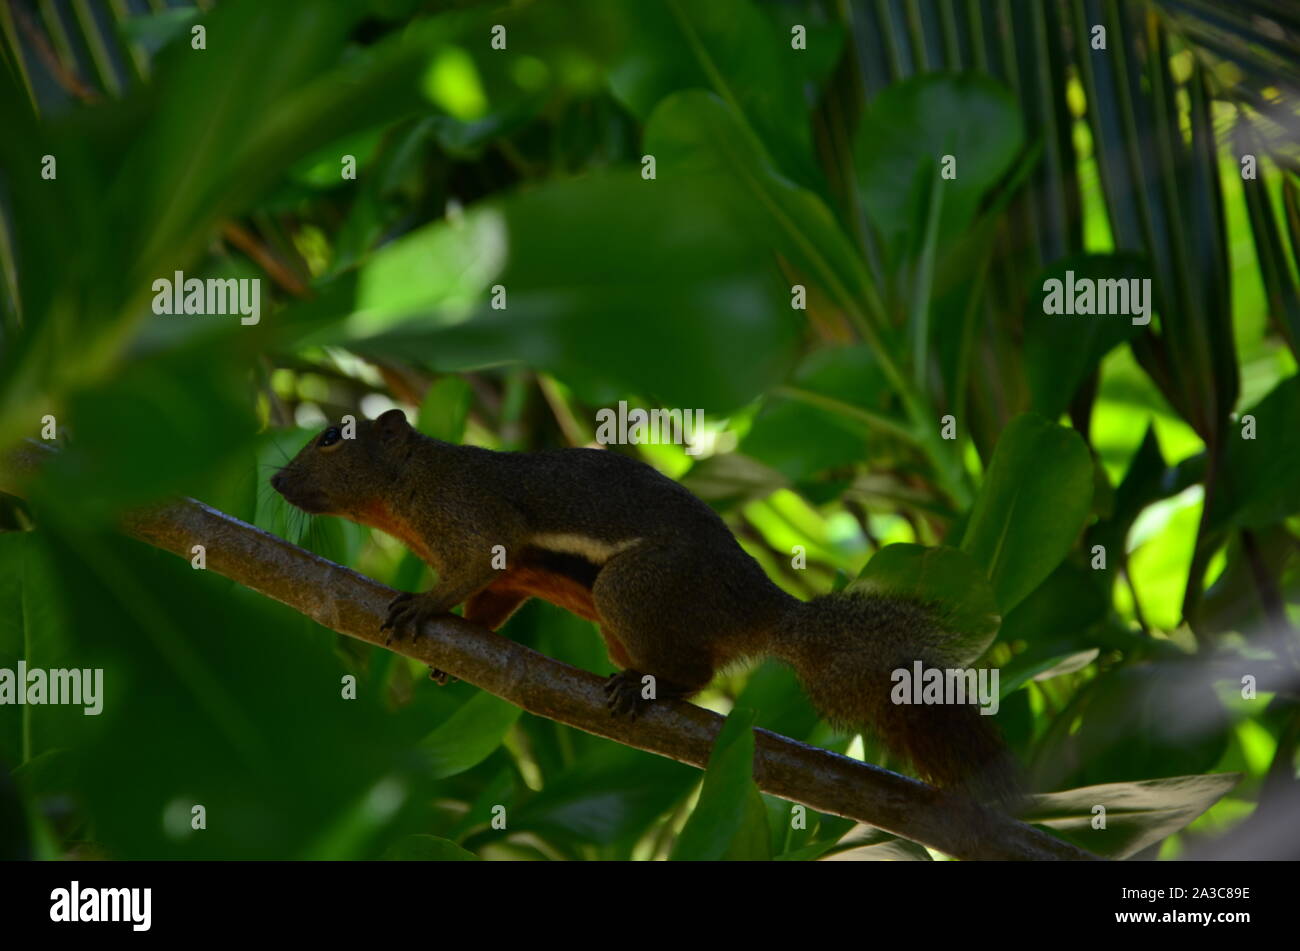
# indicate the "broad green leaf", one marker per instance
pixel 772 691
pixel 910 127
pixel 212 729
pixel 446 265
pixel 728 48
pixel 168 425
pixel 819 420
pixel 469 736
pixel 753 839
pixel 944 579
pixel 32 614
pixel 696 133
pixel 1033 504
pixel 726 816
pixel 613 283
pixel 1056 617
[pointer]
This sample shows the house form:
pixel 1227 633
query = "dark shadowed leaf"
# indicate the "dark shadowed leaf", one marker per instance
pixel 469 736
pixel 1136 814
pixel 1063 350
pixel 428 848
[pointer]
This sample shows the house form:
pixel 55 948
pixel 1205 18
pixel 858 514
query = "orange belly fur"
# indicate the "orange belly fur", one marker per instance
pixel 563 592
pixel 525 578
pixel 378 515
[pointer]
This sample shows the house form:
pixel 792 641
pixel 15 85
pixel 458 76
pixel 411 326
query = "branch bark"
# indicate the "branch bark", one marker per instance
pixel 345 601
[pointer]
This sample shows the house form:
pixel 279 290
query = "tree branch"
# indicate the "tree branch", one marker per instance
pixel 342 600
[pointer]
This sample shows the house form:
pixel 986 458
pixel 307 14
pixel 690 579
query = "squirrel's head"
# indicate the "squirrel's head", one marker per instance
pixel 345 467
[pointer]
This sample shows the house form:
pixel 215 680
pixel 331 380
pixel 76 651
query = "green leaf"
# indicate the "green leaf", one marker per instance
pixel 16 832
pixel 1275 272
pixel 1036 497
pixel 611 796
pixel 727 815
pixel 1057 619
pixel 780 704
pixel 469 735
pixel 352 828
pixel 728 48
pixel 946 580
pixel 696 133
pixel 1259 484
pixel 1137 814
pixel 866 843
pixel 146 207
pixel 909 128
pixel 819 834
pixel 1164 197
pixel 167 426
pixel 1146 721
pixel 445 408
pixel 614 284
pixel 752 842
pixel 428 848
pixel 814 424
pixel 1062 351
pixel 1025 668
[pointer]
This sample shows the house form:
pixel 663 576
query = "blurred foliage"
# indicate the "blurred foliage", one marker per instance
pixel 775 165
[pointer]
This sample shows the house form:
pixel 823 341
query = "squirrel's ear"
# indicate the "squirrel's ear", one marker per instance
pixel 392 423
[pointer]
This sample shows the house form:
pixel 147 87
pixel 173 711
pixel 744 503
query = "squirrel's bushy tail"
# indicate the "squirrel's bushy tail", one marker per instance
pixel 845 648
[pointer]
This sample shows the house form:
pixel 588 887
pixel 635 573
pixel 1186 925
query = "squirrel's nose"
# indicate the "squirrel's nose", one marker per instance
pixel 277 480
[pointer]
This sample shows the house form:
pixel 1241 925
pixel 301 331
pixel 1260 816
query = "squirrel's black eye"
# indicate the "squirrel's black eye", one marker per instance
pixel 330 437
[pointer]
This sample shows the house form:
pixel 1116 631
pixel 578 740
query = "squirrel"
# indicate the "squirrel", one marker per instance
pixel 614 541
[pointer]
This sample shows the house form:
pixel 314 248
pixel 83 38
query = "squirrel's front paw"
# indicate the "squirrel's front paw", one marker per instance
pixel 623 694
pixel 407 612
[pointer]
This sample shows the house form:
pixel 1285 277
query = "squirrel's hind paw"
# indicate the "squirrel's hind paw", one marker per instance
pixel 623 694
